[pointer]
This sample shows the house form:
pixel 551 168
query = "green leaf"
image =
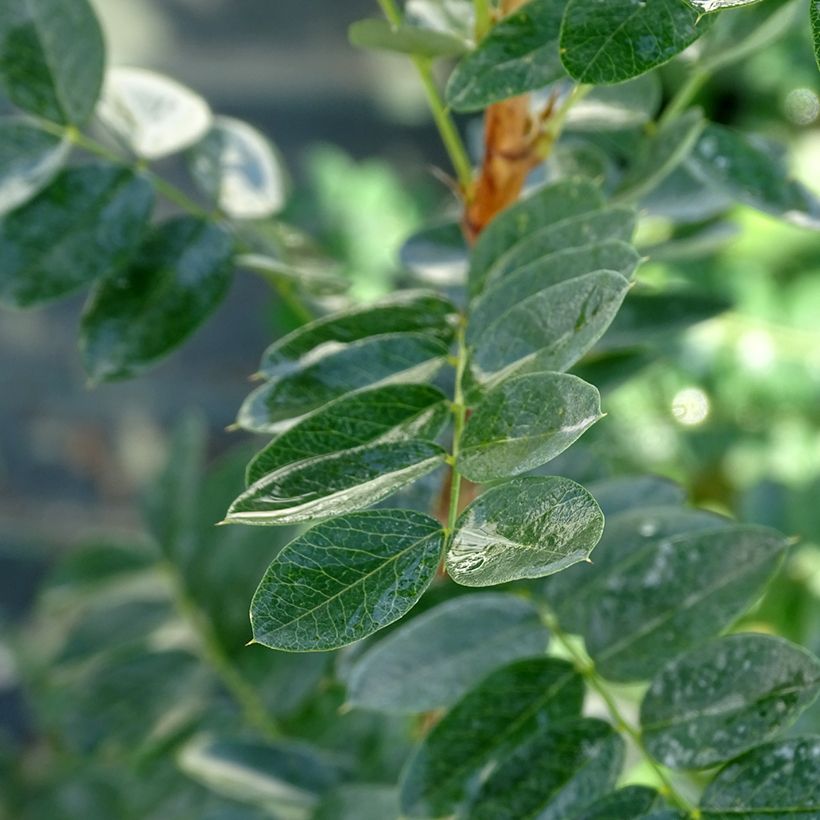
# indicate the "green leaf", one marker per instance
pixel 29 160
pixel 52 58
pixel 777 781
pixel 708 706
pixel 814 12
pixel 502 712
pixel 389 413
pixel 85 225
pixel 676 592
pixel 406 39
pixel 617 107
pixel 609 41
pixel 176 280
pixel 346 579
pixel 505 292
pixel 622 494
pixel 359 801
pixel 525 422
pixel 628 803
pixel 437 657
pixel 547 206
pixel 336 483
pixel 290 779
pixel 573 594
pixel 550 330
pixel 437 254
pixel 238 169
pixel 320 280
pixel 519 54
pixel 406 312
pixel 151 114
pixel 553 776
pixel 730 162
pixel 527 528
pixel 337 370
pixel 707 6
pixel 454 16
pixel 609 370
pixel 579 231
pixel 660 155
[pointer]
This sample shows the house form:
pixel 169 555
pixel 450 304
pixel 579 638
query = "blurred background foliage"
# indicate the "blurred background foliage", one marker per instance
pixel 731 409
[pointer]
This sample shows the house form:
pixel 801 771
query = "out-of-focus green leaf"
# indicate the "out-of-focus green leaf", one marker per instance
pixel 85 225
pixel 719 5
pixel 359 801
pixel 501 713
pixel 346 579
pixel 52 58
pixel 406 39
pixel 724 698
pixel 437 255
pixel 519 54
pixel 525 422
pixel 628 803
pixel 140 314
pixel 621 494
pixel 462 640
pixel 814 11
pixel 617 107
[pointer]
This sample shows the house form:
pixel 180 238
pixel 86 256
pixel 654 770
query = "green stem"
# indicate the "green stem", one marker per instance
pixel 453 143
pixel 586 667
pixel 459 409
pixel 683 97
pixel 483 18
pixel 253 709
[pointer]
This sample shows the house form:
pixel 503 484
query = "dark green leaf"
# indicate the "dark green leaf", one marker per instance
pixel 29 159
pixel 388 413
pixel 85 225
pixel 438 656
pixel 336 483
pixel 555 775
pixel 550 330
pixel 661 154
pixel 547 206
pixel 574 232
pixel 617 107
pixel 176 280
pixel 777 781
pixel 814 11
pixel 525 422
pixel 629 803
pixel 519 54
pixel 52 57
pixel 359 801
pixel 733 164
pixel 609 41
pixel 609 370
pixel 676 592
pixel 337 370
pixel 616 495
pixel 407 312
pixel 238 169
pixel 526 528
pixel 346 579
pixel 723 698
pixel 406 39
pixel 483 729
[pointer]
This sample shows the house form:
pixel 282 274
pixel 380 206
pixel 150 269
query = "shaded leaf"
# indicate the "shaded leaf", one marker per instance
pixel 437 254
pixel 84 226
pixel 616 107
pixel 388 413
pixel 335 483
pixel 29 160
pixel 238 169
pixel 437 657
pixel 814 11
pixel 406 39
pixel 153 115
pixel 519 54
pixel 628 803
pixel 359 801
pixel 346 579
pixel 526 528
pixel 616 495
pixel 725 697
pixel 176 280
pixel 609 41
pixel 719 5
pixel 338 370
pixel 52 58
pixel 525 422
pixel 502 712
pixel 778 780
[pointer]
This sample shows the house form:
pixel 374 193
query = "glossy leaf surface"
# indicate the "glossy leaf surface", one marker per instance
pixel 503 711
pixel 176 280
pixel 519 54
pixel 346 579
pixel 725 697
pixel 406 39
pixel 526 528
pixel 525 422
pixel 336 483
pixel 84 226
pixel 52 58
pixel 460 641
